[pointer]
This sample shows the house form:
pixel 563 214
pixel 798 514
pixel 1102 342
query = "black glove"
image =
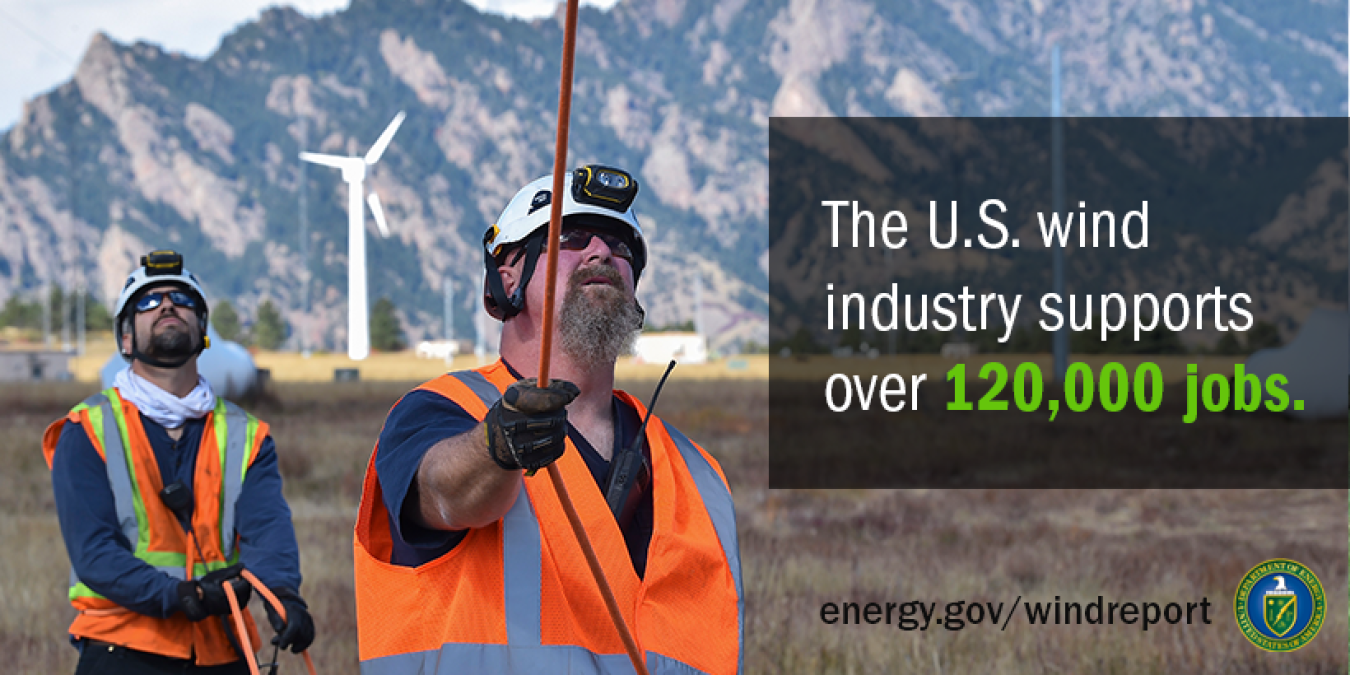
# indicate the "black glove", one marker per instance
pixel 527 427
pixel 296 631
pixel 200 598
pixel 190 601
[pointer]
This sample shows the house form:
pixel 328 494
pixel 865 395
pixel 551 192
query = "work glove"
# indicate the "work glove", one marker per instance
pixel 296 631
pixel 200 598
pixel 527 426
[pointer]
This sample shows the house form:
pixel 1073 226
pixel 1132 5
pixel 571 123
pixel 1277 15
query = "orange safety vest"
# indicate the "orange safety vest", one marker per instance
pixel 517 596
pixel 230 442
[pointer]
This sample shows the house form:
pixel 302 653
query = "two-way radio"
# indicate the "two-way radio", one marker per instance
pixel 630 473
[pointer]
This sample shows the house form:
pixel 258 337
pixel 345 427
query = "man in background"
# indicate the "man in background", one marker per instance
pixel 165 494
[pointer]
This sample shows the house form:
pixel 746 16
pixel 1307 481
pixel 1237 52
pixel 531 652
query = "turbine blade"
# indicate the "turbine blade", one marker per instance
pixel 378 149
pixel 326 160
pixel 374 201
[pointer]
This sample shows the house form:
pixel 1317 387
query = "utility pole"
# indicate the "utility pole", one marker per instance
pixel 698 303
pixel 304 243
pixel 79 320
pixel 1061 341
pixel 66 307
pixel 890 334
pixel 448 286
pixel 47 315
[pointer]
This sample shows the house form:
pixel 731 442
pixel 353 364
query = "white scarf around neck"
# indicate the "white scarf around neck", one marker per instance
pixel 164 408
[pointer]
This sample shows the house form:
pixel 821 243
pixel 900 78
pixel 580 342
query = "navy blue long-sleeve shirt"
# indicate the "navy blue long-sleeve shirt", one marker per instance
pixel 422 419
pixel 103 558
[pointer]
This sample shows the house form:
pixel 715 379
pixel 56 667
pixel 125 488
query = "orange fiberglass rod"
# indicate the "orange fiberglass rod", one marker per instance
pixel 546 346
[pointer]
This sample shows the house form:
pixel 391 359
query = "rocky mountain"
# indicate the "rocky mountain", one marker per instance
pixel 144 149
pixel 1175 208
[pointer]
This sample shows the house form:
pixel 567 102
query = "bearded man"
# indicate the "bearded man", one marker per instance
pixel 464 559
pixel 166 494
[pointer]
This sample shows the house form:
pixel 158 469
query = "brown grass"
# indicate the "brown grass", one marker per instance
pixel 404 366
pixel 800 549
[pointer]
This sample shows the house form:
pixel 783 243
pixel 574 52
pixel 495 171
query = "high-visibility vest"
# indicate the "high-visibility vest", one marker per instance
pixel 230 442
pixel 517 596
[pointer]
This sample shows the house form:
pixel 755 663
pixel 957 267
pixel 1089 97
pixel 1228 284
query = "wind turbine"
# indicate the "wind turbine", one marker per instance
pixel 354 173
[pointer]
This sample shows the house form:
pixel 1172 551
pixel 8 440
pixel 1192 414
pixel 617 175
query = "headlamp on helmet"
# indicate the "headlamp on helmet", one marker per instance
pixel 604 186
pixel 162 263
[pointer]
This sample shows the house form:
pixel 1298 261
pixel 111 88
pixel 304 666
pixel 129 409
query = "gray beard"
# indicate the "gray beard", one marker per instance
pixel 597 328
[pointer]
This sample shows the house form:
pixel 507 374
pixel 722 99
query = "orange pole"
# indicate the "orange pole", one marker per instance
pixel 555 210
pixel 241 629
pixel 546 342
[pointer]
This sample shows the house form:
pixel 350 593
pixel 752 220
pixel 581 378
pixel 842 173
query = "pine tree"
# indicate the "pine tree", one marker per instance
pixel 386 334
pixel 269 331
pixel 96 316
pixel 226 320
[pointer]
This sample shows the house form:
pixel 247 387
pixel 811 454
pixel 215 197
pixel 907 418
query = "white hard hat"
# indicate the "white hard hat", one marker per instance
pixel 157 267
pixel 594 195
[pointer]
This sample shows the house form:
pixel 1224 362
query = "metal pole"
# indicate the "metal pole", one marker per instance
pixel 66 307
pixel 305 345
pixel 698 303
pixel 47 315
pixel 449 287
pixel 890 334
pixel 546 338
pixel 1061 338
pixel 79 320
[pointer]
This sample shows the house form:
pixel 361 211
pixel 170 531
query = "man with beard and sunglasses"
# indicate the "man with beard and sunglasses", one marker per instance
pixel 166 494
pixel 464 558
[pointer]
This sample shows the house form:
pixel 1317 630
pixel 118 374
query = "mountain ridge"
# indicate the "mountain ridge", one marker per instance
pixel 145 148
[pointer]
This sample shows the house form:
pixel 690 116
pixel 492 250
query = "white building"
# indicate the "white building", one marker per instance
pixel 684 348
pixel 437 349
pixel 34 366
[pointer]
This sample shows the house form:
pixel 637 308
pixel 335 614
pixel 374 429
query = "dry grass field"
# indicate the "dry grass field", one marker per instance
pixel 405 367
pixel 800 548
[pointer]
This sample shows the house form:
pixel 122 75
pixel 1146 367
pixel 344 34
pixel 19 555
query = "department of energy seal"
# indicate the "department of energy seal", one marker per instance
pixel 1280 605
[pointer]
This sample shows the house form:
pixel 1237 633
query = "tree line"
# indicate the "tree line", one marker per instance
pixel 18 313
pixel 270 329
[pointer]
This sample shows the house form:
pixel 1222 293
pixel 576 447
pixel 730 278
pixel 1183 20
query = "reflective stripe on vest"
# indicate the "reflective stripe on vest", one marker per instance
pixel 235 431
pixel 521 556
pixel 455 658
pixel 717 499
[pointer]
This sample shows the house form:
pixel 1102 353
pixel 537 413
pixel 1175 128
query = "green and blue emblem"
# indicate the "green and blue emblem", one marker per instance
pixel 1280 605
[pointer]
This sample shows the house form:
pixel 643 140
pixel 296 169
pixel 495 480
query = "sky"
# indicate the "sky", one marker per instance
pixel 44 39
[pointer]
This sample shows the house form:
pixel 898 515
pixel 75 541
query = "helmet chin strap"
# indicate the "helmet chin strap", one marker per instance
pixel 510 305
pixel 141 356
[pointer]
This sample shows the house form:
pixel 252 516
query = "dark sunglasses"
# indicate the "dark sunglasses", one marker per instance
pixel 577 239
pixel 150 301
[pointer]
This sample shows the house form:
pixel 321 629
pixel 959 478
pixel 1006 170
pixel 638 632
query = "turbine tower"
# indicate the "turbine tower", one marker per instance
pixel 354 173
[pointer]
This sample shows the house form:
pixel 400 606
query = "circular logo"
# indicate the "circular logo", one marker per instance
pixel 1280 605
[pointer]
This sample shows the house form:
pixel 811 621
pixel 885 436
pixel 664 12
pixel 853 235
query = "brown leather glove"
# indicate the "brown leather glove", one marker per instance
pixel 527 426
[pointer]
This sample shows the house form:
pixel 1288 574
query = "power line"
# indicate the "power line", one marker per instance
pixel 53 49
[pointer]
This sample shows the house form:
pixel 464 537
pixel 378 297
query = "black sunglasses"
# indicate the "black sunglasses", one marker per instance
pixel 578 238
pixel 150 301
